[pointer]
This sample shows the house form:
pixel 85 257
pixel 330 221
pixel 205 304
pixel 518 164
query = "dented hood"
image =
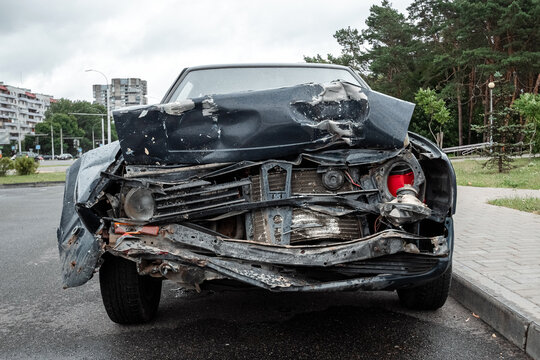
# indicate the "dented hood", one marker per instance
pixel 259 125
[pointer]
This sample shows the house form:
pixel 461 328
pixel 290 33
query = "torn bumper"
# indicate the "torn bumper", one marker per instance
pixel 385 261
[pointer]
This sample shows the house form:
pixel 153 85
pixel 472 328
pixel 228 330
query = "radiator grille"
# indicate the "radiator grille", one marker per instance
pixel 197 196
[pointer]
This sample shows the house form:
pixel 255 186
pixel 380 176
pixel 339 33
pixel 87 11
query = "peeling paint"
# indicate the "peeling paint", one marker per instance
pixel 338 91
pixel 209 107
pixel 178 108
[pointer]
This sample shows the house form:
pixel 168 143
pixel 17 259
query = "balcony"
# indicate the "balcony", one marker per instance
pixel 34 106
pixel 7 109
pixel 6 95
pixel 31 101
pixel 35 120
pixel 5 100
pixel 7 117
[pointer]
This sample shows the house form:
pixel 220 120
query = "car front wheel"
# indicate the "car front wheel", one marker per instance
pixel 129 298
pixel 429 296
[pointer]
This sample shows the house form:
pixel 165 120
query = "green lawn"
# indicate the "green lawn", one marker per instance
pixel 39 177
pixel 529 204
pixel 59 165
pixel 524 175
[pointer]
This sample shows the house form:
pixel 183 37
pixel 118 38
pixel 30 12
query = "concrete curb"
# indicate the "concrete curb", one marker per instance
pixel 32 184
pixel 508 320
pixel 533 341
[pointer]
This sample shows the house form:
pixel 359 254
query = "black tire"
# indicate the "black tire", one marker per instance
pixel 429 296
pixel 129 298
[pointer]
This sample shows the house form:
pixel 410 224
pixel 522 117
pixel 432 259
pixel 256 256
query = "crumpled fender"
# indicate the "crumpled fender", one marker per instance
pixel 79 248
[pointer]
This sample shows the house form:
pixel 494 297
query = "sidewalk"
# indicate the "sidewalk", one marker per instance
pixel 497 264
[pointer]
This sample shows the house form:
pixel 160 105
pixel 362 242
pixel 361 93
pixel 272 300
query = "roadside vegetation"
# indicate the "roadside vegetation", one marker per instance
pixel 452 57
pixel 5 165
pixel 529 204
pixel 25 166
pixel 37 177
pixel 525 174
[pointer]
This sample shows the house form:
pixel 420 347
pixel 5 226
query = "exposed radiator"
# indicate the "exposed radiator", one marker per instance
pixel 306 225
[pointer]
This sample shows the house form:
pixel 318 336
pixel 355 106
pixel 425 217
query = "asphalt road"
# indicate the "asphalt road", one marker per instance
pixel 40 320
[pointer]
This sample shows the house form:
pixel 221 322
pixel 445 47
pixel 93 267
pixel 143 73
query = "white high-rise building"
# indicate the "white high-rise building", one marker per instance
pixel 21 110
pixel 124 92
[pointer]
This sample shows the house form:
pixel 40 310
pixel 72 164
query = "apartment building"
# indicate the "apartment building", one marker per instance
pixel 124 92
pixel 20 107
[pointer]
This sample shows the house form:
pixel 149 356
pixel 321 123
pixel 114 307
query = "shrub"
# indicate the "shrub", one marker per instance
pixel 5 165
pixel 25 166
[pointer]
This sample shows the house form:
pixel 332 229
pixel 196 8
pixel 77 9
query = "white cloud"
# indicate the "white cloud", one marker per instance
pixel 51 43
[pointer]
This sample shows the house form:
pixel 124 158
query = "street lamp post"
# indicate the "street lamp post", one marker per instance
pixel 52 143
pixel 102 134
pixel 61 143
pixel 18 123
pixel 491 86
pixel 108 107
pixel 103 131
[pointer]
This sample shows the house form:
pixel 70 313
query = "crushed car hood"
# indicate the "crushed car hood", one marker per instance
pixel 260 125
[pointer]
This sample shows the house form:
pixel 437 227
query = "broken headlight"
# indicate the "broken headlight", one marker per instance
pixel 139 204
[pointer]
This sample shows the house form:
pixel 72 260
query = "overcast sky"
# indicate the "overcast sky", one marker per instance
pixel 47 45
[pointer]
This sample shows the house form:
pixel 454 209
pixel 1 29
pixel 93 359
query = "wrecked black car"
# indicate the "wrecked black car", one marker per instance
pixel 284 177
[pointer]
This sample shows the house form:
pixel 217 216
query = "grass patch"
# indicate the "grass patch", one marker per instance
pixel 39 177
pixel 524 175
pixel 529 204
pixel 59 165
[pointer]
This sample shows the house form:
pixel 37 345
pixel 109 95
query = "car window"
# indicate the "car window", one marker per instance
pixel 202 82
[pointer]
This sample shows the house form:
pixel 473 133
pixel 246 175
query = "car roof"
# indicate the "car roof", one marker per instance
pixel 248 65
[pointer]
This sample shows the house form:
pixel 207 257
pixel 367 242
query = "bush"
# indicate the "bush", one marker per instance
pixel 25 166
pixel 5 165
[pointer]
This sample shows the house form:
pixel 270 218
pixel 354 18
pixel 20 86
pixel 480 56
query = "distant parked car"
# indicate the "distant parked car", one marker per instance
pixel 47 157
pixel 65 157
pixel 27 154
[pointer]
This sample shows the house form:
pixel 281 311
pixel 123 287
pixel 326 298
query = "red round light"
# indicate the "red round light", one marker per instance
pixel 397 181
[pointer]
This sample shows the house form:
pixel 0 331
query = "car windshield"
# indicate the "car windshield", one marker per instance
pixel 202 82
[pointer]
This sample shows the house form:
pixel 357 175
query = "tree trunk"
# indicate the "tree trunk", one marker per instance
pixel 460 114
pixel 471 103
pixel 439 138
pixel 486 109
